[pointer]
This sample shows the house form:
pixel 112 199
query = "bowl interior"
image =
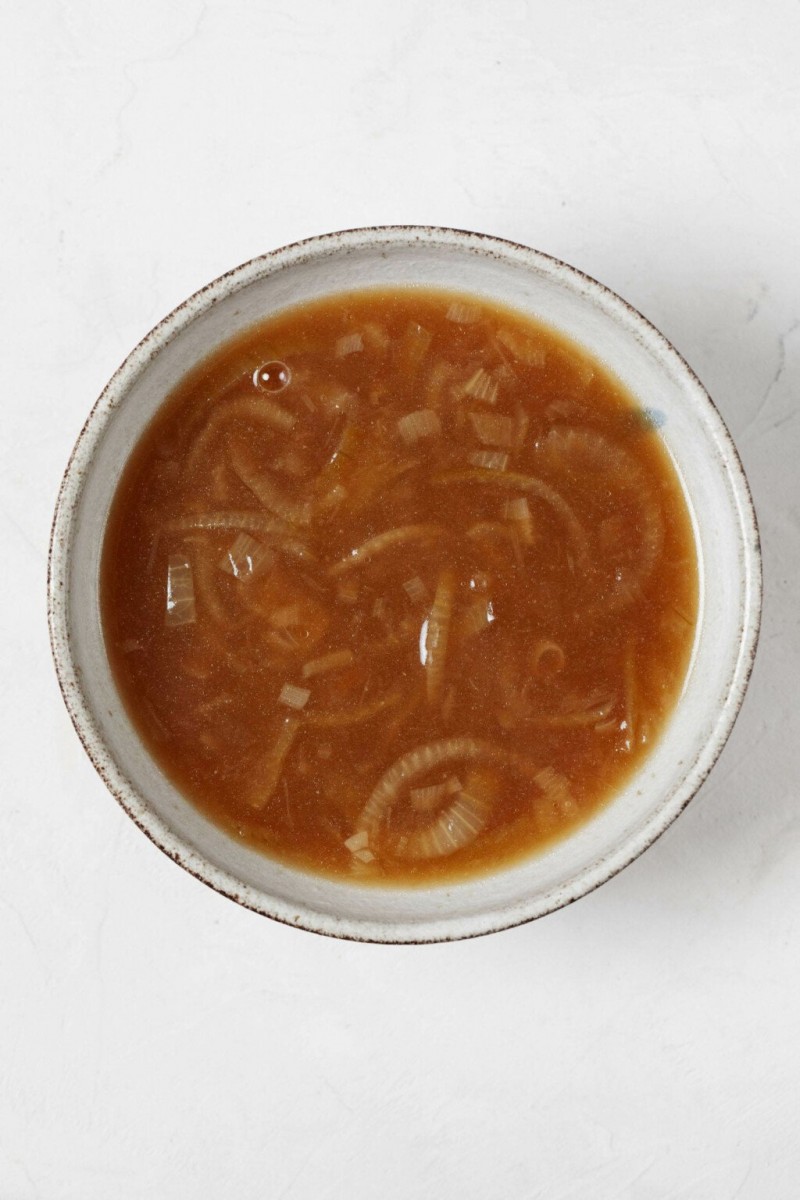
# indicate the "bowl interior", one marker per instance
pixel 716 493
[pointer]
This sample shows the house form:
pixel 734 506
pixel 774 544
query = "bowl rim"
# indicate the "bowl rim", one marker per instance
pixel 437 929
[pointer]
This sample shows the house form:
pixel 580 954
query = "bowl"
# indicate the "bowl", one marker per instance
pixel 723 521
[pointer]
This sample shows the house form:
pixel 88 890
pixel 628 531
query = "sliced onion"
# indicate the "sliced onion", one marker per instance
pixel 493 429
pixel 266 774
pixel 590 454
pixel 586 450
pixel 518 512
pixel 512 480
pixel 475 618
pixel 522 348
pixel 294 512
pixel 438 634
pixel 348 590
pixel 342 717
pixel 328 662
pixel 455 827
pixel 364 856
pixel 433 393
pixel 286 616
pixel 413 346
pixel 205 583
pixel 289 462
pixel 350 343
pixel 180 608
pixel 281 534
pixel 415 426
pixel 631 722
pixel 462 313
pixel 555 790
pixel 418 762
pixel 369 483
pixel 337 401
pixel 481 386
pixel 246 557
pixel 332 501
pixel 428 798
pixel 131 645
pixel 252 522
pixel 299 624
pixel 489 460
pixel 416 590
pixel 376 336
pixel 293 696
pixel 256 408
pixel 570 720
pixel 547 659
pixel 493 532
pixel 521 423
pixel 390 540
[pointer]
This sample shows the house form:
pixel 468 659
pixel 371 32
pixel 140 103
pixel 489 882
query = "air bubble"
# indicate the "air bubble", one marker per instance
pixel 272 376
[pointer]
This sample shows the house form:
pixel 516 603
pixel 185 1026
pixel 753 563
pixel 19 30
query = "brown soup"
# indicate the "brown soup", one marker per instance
pixel 399 586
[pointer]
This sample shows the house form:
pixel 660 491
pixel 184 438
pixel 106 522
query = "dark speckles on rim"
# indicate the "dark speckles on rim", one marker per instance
pixel 382 240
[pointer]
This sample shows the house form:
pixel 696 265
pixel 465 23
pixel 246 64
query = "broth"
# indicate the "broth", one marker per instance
pixel 399 586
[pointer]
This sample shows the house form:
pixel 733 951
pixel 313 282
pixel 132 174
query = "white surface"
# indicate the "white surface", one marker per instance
pixel 155 1040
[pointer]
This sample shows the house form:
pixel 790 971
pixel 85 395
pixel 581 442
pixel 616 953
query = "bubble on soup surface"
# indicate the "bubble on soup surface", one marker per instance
pixel 273 376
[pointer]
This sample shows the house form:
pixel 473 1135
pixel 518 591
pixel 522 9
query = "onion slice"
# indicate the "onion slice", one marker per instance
pixel 514 481
pixel 246 558
pixel 415 589
pixel 293 696
pixel 257 408
pixel 267 772
pixel 481 386
pixel 571 720
pixel 281 534
pixel 180 593
pixel 412 347
pixel 328 662
pixel 555 791
pixel 429 798
pixel 600 462
pixel 518 512
pixel 349 343
pixel 477 616
pixel 455 827
pixel 255 522
pixel 342 717
pixel 490 460
pixel 414 426
pixel 418 762
pixel 631 690
pixel 382 542
pixel 522 348
pixel 547 659
pixel 438 634
pixel 294 512
pixel 462 313
pixel 493 429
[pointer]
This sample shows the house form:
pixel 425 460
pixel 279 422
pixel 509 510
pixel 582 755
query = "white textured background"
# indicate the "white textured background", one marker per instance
pixel 157 1041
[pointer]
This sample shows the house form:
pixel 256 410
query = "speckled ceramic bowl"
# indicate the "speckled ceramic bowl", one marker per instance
pixel 716 491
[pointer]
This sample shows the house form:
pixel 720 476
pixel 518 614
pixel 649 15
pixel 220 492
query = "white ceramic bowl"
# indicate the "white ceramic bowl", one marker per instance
pixel 715 487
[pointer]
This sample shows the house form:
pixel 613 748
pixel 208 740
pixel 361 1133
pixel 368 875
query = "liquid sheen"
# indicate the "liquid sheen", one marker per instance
pixel 399 586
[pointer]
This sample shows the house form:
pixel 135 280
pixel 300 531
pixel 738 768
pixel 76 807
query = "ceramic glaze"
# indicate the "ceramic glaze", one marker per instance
pixel 715 489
